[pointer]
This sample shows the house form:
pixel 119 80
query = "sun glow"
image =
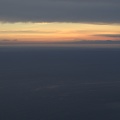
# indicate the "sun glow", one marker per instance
pixel 57 31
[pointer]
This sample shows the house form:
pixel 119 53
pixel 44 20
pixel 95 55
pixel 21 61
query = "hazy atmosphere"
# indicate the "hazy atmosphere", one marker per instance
pixel 59 59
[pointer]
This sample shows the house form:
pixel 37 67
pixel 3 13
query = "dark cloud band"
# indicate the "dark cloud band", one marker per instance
pixel 60 11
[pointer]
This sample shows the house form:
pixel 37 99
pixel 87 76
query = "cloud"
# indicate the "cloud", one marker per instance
pixel 29 31
pixel 4 41
pixel 109 35
pixel 95 11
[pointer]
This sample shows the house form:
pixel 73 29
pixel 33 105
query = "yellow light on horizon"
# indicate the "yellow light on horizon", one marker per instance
pixel 56 31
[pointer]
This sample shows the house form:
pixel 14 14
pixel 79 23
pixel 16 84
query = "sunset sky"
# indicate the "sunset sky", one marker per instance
pixel 59 20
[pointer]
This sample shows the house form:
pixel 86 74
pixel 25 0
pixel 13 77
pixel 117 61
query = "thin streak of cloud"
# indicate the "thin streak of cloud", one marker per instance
pixel 109 35
pixel 29 31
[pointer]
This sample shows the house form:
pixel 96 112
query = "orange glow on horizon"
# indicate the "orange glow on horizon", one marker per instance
pixel 51 32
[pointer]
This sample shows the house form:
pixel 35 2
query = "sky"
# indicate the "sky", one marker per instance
pixel 59 20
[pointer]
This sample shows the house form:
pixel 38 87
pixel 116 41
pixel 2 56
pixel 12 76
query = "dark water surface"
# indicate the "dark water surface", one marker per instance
pixel 42 83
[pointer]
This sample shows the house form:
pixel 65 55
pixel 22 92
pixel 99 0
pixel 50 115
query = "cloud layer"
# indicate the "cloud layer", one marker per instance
pixel 95 11
pixel 109 35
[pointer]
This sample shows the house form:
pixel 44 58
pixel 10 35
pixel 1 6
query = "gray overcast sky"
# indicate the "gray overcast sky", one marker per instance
pixel 93 11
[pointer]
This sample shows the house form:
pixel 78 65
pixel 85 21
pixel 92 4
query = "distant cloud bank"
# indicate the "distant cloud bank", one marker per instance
pixel 89 11
pixel 6 41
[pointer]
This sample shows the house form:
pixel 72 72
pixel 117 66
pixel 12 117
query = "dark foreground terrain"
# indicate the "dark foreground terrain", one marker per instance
pixel 58 83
